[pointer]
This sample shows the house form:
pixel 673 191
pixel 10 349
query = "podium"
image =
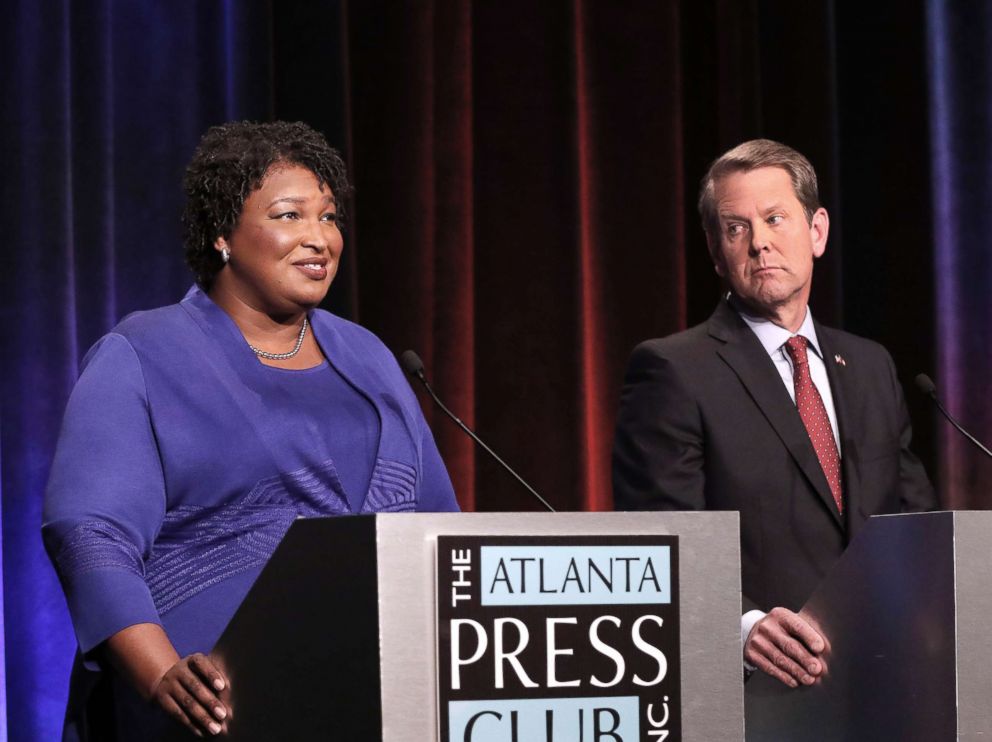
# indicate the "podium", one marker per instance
pixel 340 636
pixel 906 613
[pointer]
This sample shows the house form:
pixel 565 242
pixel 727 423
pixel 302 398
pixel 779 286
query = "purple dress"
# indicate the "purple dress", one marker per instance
pixel 183 460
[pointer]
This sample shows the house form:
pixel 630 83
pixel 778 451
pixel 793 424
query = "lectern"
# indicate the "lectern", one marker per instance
pixel 481 626
pixel 907 613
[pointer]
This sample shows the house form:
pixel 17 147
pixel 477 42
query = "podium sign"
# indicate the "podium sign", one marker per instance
pixel 558 638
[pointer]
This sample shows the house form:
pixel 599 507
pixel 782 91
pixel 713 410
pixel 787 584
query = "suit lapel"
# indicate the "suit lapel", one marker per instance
pixel 747 358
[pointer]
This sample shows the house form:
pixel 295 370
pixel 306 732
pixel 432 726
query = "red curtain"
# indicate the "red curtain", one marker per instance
pixel 502 226
pixel 526 178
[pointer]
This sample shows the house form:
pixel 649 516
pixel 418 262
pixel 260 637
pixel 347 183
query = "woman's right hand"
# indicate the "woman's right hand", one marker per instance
pixel 189 692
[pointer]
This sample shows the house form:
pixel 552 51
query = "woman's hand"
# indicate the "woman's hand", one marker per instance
pixel 188 689
pixel 190 693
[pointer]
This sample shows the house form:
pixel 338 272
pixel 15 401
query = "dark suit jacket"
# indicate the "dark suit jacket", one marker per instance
pixel 705 422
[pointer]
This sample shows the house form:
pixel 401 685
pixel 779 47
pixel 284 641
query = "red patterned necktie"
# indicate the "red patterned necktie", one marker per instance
pixel 814 416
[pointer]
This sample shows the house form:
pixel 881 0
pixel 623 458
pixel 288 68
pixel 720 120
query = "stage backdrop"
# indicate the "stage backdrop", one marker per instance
pixel 526 176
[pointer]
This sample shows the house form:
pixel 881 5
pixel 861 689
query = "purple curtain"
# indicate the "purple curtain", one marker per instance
pixel 960 73
pixel 103 104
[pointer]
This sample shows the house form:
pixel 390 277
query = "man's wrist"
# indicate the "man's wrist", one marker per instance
pixel 748 622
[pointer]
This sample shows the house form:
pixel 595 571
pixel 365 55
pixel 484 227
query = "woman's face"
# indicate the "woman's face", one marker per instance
pixel 286 245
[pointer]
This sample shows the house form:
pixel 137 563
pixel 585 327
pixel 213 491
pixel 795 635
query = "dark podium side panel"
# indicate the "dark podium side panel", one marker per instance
pixel 906 613
pixel 303 653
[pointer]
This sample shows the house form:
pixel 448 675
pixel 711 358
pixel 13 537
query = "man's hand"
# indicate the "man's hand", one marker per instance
pixel 190 693
pixel 786 647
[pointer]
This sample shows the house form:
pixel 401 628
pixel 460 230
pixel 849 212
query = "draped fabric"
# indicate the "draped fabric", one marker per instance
pixel 960 72
pixel 526 176
pixel 103 102
pixel 499 194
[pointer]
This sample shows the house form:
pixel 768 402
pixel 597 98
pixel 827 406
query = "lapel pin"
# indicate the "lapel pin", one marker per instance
pixel 839 359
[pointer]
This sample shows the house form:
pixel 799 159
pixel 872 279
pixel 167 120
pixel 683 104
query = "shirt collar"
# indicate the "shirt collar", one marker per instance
pixel 772 337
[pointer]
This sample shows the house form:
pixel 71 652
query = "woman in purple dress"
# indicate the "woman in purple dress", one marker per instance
pixel 198 432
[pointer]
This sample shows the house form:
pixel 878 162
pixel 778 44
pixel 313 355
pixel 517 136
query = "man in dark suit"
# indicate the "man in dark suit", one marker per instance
pixel 800 427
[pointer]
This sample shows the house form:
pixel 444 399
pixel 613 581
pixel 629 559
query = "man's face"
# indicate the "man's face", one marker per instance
pixel 764 247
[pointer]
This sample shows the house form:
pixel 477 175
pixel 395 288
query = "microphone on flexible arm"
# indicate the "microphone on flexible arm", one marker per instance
pixel 925 384
pixel 412 364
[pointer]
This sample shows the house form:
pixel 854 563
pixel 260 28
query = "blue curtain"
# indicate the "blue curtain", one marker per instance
pixel 103 104
pixel 960 50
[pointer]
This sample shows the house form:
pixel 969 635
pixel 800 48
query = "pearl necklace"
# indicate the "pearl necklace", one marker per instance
pixel 283 356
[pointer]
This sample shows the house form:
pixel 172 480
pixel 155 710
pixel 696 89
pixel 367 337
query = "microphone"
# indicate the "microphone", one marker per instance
pixel 925 384
pixel 412 364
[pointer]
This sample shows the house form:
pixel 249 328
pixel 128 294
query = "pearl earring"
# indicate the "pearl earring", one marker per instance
pixel 225 254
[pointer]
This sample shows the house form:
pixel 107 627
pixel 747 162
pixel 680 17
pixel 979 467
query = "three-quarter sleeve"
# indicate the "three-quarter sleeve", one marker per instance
pixel 106 496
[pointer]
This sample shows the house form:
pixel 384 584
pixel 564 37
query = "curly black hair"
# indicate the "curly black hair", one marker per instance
pixel 229 164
